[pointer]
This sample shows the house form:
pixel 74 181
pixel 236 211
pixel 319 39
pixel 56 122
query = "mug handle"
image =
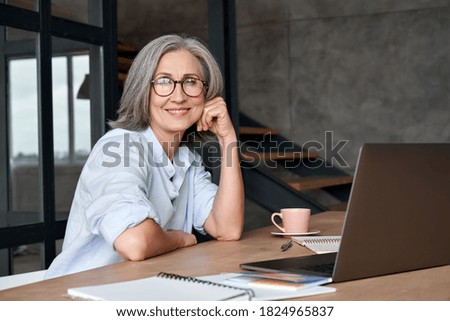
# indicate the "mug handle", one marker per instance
pixel 275 223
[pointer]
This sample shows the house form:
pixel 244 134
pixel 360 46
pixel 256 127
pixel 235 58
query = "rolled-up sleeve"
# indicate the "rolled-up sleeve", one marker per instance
pixel 204 194
pixel 118 195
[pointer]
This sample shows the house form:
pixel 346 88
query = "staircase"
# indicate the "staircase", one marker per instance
pixel 278 173
pixel 126 54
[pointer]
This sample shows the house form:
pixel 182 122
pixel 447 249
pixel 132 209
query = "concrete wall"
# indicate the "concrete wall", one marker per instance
pixel 369 71
pixel 140 21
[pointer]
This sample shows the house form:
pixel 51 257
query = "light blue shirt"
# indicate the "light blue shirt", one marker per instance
pixel 127 179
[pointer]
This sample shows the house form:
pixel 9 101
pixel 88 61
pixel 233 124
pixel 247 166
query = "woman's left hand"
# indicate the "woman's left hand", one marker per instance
pixel 215 118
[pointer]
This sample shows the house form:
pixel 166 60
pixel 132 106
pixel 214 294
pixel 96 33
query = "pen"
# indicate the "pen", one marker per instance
pixel 286 245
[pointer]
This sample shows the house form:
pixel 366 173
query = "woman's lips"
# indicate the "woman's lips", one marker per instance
pixel 178 111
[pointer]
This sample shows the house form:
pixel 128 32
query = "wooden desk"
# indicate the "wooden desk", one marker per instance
pixel 215 257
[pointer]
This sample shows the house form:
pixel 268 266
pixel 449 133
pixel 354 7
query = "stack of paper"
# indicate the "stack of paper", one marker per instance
pixel 275 286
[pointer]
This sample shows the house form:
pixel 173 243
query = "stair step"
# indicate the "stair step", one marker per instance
pixel 246 130
pixel 126 50
pixel 121 78
pixel 256 156
pixel 124 64
pixel 316 182
pixel 126 54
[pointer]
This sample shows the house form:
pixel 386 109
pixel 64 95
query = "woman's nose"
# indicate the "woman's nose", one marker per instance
pixel 178 93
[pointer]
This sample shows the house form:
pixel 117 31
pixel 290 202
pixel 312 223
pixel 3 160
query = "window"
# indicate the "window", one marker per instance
pixel 47 125
pixel 71 127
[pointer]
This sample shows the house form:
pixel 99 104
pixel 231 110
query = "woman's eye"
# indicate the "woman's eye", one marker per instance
pixel 164 81
pixel 190 81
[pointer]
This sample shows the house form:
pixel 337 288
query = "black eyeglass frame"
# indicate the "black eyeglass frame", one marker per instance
pixel 175 82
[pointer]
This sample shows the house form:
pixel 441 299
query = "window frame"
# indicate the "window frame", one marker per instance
pixel 103 52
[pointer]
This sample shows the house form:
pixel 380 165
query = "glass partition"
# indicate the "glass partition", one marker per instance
pixel 82 113
pixel 85 11
pixel 71 118
pixel 22 106
pixel 24 4
pixel 27 258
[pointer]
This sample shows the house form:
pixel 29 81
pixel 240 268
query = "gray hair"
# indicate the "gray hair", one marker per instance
pixel 133 113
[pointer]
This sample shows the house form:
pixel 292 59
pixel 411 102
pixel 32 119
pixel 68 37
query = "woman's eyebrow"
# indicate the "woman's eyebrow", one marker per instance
pixel 163 74
pixel 191 75
pixel 167 74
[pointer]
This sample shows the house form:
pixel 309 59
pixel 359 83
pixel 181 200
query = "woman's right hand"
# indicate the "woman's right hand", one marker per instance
pixel 183 239
pixel 148 239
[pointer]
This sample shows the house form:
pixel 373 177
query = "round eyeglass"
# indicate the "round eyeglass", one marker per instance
pixel 191 86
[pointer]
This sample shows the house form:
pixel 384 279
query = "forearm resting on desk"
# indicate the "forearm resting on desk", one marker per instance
pixel 226 220
pixel 148 239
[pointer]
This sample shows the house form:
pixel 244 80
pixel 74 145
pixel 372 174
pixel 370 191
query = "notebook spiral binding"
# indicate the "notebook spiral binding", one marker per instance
pixel 324 240
pixel 166 275
pixel 320 244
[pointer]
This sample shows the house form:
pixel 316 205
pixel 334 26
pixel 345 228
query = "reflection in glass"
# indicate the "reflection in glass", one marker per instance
pixel 71 125
pixel 23 146
pixel 13 34
pixel 27 258
pixel 82 108
pixel 81 10
pixel 25 4
pixel 71 119
pixel 60 109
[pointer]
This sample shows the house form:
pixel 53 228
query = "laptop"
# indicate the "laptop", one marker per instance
pixel 397 219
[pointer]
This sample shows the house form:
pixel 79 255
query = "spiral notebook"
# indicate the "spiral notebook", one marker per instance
pixel 163 287
pixel 319 244
pixel 172 287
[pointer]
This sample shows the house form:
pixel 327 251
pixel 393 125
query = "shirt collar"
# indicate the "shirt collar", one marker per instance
pixel 182 159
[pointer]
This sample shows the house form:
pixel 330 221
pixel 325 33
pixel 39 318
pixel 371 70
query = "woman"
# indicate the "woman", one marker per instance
pixel 142 190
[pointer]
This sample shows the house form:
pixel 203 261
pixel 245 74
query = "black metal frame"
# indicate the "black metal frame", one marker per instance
pixel 222 43
pixel 4 253
pixel 48 26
